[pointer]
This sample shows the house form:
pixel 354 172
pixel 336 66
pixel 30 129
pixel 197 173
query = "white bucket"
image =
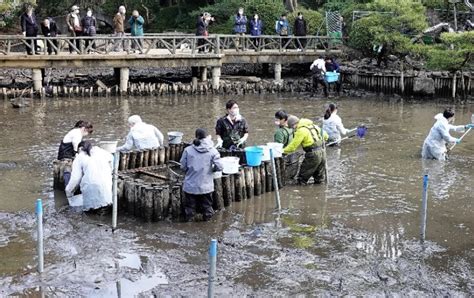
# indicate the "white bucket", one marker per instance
pixel 230 164
pixel 174 137
pixel 109 146
pixel 266 153
pixel 277 149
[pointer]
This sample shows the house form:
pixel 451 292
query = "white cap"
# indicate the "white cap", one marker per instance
pixel 134 119
pixel 74 7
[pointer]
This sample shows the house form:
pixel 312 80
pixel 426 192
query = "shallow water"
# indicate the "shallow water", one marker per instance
pixel 357 235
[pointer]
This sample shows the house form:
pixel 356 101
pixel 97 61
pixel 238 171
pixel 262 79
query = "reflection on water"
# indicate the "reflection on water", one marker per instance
pixel 368 211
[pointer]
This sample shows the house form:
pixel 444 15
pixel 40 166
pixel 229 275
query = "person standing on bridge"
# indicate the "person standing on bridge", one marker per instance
pixel 89 25
pixel 232 130
pixel 74 27
pixel 282 28
pixel 256 29
pixel 240 28
pixel 119 30
pixel 29 28
pixel 202 24
pixel 142 136
pixel 49 29
pixel 301 29
pixel 136 22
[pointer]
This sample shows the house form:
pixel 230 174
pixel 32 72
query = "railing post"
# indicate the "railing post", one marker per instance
pixel 218 44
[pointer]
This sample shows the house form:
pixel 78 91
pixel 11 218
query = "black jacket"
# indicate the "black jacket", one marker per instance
pixel 201 27
pixel 300 27
pixel 28 24
pixel 52 31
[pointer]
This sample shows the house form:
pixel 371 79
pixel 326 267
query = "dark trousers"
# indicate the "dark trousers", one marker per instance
pixel 137 44
pixel 90 42
pixel 313 165
pixel 76 42
pixel 320 80
pixel 202 202
pixel 49 46
pixel 29 49
pixel 301 43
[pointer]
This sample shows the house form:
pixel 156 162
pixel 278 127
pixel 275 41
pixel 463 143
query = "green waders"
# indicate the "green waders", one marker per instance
pixel 313 165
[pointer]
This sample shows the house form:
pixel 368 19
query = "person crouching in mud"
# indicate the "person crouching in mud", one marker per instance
pixel 434 146
pixel 311 138
pixel 232 130
pixel 199 161
pixel 92 169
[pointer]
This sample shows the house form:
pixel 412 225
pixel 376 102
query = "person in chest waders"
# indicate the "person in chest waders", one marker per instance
pixel 283 134
pixel 70 144
pixel 232 130
pixel 310 137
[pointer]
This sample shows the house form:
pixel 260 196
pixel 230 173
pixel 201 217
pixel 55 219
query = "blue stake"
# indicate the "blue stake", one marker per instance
pixel 212 267
pixel 39 221
pixel 424 207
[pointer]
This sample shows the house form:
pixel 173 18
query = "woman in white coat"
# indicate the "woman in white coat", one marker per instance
pixel 92 169
pixel 332 124
pixel 434 146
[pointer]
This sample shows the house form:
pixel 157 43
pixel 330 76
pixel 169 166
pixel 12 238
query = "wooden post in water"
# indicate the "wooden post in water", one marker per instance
pixel 249 182
pixel 453 94
pixel 257 181
pixel 269 178
pixel 132 160
pixel 146 155
pixel 263 178
pixel 402 79
pixel 238 187
pixel 226 191
pixel 167 153
pixel 161 155
pixel 217 196
pixel 157 204
pixel 148 204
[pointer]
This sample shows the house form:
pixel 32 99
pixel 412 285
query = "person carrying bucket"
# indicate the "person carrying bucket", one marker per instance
pixel 199 161
pixel 309 136
pixel 283 134
pixel 434 146
pixel 332 124
pixel 232 130
pixel 142 136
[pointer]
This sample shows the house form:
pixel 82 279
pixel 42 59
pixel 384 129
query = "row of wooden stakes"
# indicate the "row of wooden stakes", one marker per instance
pixel 151 157
pixel 158 200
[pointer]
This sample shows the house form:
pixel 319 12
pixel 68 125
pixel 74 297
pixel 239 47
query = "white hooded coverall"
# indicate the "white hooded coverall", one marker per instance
pixel 334 128
pixel 434 146
pixel 94 173
pixel 142 136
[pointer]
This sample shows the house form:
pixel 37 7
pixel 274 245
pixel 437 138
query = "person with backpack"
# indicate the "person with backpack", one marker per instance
pixel 282 28
pixel 283 134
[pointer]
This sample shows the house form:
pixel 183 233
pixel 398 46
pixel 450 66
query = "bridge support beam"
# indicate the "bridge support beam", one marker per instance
pixel 204 73
pixel 216 77
pixel 277 72
pixel 124 76
pixel 37 79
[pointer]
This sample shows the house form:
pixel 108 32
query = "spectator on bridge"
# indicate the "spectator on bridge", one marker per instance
pixel 119 30
pixel 74 27
pixel 50 29
pixel 136 22
pixel 318 69
pixel 282 28
pixel 203 23
pixel 142 135
pixel 29 28
pixel 240 28
pixel 199 161
pixel 301 29
pixel 89 25
pixel 256 29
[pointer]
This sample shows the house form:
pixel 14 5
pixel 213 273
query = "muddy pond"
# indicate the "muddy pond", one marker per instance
pixel 358 235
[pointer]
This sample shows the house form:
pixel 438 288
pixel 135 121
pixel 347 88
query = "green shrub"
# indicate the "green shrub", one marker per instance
pixel 314 19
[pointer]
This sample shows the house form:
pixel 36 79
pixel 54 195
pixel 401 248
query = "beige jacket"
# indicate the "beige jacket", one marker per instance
pixel 119 23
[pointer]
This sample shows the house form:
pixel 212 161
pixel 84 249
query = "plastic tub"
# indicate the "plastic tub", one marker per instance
pixel 230 164
pixel 175 137
pixel 109 146
pixel 254 156
pixel 277 149
pixel 331 76
pixel 266 153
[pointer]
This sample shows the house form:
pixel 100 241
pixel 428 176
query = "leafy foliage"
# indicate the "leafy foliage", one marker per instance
pixel 456 52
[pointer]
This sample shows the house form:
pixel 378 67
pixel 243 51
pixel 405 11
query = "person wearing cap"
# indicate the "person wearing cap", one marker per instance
pixel 142 135
pixel 310 137
pixel 283 134
pixel 434 146
pixel 232 130
pixel 199 161
pixel 119 29
pixel 136 22
pixel 74 27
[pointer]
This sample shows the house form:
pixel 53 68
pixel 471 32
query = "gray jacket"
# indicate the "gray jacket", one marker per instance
pixel 199 162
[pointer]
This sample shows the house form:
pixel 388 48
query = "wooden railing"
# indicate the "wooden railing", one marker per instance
pixel 155 44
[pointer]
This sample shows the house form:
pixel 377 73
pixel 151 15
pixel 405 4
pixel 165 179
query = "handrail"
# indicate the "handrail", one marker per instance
pixel 179 44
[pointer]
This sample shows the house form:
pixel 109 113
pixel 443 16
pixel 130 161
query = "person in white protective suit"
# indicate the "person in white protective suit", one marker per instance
pixel 92 169
pixel 434 146
pixel 332 125
pixel 142 135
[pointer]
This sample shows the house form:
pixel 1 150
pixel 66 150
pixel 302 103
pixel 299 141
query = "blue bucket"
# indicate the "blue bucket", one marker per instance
pixel 331 76
pixel 254 156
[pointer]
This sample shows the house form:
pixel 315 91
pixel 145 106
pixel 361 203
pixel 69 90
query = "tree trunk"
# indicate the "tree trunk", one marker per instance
pixel 291 5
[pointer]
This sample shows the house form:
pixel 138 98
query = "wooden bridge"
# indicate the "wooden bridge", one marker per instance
pixel 160 50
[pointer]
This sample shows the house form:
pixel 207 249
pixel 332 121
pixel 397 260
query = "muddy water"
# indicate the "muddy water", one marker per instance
pixel 357 235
